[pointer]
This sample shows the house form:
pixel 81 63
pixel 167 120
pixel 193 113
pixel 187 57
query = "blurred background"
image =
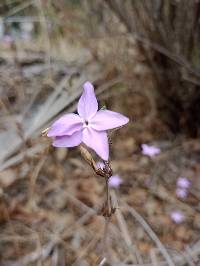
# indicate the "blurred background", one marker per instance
pixel 143 58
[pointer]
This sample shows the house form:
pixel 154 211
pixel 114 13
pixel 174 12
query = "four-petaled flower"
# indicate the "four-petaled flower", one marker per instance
pixel 150 151
pixel 183 182
pixel 177 216
pixel 88 126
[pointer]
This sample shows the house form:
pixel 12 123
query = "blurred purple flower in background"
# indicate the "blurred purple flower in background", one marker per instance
pixel 88 126
pixel 177 216
pixel 183 182
pixel 115 181
pixel 150 151
pixel 181 193
pixel 8 39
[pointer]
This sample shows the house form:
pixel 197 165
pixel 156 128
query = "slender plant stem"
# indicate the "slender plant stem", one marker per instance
pixel 105 237
pixel 108 203
pixel 107 221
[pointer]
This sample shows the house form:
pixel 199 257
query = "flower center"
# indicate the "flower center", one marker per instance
pixel 86 124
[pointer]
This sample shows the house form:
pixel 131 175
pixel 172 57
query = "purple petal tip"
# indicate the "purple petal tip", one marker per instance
pixel 88 86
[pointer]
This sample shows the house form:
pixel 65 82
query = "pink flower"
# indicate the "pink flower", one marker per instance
pixel 177 216
pixel 183 182
pixel 88 126
pixel 150 151
pixel 181 193
pixel 115 181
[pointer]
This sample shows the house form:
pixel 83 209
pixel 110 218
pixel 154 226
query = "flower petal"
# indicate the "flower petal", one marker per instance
pixel 98 141
pixel 105 119
pixel 66 125
pixel 68 141
pixel 87 105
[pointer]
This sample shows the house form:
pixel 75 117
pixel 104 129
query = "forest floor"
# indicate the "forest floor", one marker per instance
pixel 50 199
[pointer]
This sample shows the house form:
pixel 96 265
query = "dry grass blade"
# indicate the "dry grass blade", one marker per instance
pixel 37 255
pixel 19 8
pixel 123 227
pixel 150 232
pixel 20 156
pixel 154 258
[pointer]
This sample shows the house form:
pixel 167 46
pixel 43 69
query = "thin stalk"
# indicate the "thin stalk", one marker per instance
pixel 107 221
